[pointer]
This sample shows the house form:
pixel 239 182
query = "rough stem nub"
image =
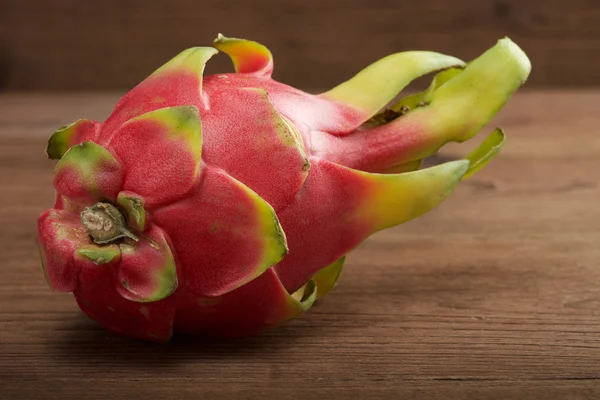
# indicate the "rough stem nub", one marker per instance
pixel 105 223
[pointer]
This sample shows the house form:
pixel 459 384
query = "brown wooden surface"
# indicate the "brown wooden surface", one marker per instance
pixel 86 44
pixel 495 295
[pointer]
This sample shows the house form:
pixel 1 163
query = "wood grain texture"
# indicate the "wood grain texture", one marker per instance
pixel 494 295
pixel 75 44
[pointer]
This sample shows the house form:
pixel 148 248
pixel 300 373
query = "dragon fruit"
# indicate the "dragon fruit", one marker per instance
pixel 225 205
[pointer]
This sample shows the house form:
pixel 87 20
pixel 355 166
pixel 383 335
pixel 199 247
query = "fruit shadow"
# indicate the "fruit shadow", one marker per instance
pixel 82 341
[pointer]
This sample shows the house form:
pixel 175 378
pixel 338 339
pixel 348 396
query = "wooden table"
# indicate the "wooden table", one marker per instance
pixel 494 295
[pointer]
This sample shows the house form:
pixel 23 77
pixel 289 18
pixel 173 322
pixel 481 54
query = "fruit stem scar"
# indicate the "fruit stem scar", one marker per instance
pixel 105 223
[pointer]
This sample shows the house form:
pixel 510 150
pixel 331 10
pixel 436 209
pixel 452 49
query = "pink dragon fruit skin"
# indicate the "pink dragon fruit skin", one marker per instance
pixel 225 205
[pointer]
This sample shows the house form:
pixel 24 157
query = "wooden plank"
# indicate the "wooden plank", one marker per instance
pixel 72 44
pixel 493 295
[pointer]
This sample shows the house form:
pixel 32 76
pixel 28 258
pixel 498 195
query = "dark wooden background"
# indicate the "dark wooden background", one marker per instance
pixel 495 295
pixel 112 44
